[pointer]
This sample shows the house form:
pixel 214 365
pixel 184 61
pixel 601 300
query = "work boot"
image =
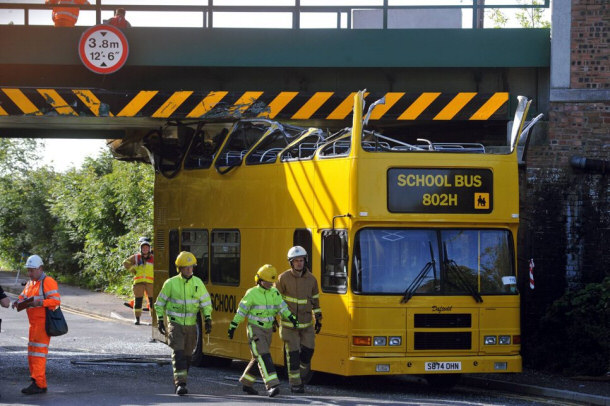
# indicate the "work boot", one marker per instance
pixel 297 388
pixel 273 391
pixel 249 390
pixel 137 322
pixel 181 389
pixel 33 389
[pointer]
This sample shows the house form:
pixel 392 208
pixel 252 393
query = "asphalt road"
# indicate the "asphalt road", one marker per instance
pixel 102 361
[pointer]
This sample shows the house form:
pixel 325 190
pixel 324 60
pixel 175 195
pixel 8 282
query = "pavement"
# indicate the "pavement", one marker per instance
pixel 593 392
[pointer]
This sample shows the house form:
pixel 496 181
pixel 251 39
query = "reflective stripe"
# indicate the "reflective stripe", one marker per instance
pixel 49 293
pixel 272 377
pixel 267 319
pixel 66 14
pixel 37 354
pixel 204 304
pixel 249 378
pixel 299 326
pixel 264 307
pixel 241 313
pixel 160 302
pixel 180 314
pixel 316 296
pixel 33 344
pixel 244 308
pixel 295 375
pixel 162 295
pixel 295 300
pixel 179 301
pixel 143 277
pixel 317 310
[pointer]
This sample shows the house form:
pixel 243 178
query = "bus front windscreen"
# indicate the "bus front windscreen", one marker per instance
pixel 433 262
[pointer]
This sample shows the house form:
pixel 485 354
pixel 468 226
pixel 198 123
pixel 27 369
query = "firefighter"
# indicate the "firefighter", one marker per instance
pixel 260 305
pixel 181 299
pixel 40 292
pixel 299 288
pixel 141 265
pixel 65 16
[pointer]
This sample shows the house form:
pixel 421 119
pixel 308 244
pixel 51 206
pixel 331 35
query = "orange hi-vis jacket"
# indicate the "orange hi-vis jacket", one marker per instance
pixel 45 293
pixel 65 16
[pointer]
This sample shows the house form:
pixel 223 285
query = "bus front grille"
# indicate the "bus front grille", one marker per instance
pixel 442 341
pixel 454 320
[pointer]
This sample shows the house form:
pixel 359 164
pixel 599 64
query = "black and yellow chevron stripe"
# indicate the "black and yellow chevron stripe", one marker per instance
pixel 218 105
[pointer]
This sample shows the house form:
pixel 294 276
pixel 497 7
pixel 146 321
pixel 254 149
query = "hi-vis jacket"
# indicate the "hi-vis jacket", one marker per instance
pixel 182 299
pixel 67 14
pixel 143 268
pixel 301 294
pixel 37 290
pixel 260 306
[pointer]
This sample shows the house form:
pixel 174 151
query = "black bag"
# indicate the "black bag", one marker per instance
pixel 55 323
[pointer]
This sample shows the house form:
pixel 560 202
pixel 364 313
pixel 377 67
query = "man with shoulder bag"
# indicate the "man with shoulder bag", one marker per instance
pixel 41 292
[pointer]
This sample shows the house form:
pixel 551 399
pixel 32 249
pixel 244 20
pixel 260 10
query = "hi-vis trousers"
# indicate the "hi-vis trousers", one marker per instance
pixel 259 340
pixel 299 344
pixel 38 348
pixel 182 340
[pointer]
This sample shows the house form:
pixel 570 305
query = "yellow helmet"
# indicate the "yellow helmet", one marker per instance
pixel 185 258
pixel 266 273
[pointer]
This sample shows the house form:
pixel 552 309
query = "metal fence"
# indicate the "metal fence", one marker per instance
pixel 382 13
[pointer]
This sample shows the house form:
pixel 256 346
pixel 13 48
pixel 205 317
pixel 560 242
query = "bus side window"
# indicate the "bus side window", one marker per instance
pixel 334 261
pixel 174 250
pixel 302 237
pixel 225 258
pixel 196 242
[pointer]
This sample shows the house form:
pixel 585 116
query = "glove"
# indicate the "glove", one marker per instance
pixel 208 325
pixel 318 326
pixel 293 320
pixel 231 331
pixel 161 326
pixel 275 325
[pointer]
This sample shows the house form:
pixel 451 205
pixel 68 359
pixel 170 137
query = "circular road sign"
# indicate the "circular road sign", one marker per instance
pixel 103 49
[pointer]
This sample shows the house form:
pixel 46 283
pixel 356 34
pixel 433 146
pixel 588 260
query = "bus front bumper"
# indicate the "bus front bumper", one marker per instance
pixel 434 365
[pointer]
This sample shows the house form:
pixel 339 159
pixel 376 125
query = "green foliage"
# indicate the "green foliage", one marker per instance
pixel 83 223
pixel 577 326
pixel 527 17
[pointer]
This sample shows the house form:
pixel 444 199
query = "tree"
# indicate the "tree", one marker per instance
pixel 527 17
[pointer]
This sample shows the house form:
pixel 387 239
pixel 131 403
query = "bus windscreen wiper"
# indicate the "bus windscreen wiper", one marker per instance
pixel 454 268
pixel 420 278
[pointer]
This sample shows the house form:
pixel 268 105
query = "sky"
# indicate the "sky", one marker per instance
pixel 64 154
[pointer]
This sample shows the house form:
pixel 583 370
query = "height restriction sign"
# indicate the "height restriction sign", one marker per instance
pixel 103 49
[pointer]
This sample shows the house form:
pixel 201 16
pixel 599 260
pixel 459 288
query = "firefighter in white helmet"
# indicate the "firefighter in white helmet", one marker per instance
pixel 260 305
pixel 299 288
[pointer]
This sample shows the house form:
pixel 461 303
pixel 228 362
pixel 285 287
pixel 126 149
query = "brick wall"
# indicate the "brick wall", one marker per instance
pixel 565 216
pixel 590 53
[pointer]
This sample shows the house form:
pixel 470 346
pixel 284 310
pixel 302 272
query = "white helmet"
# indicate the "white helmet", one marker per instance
pixel 34 261
pixel 295 252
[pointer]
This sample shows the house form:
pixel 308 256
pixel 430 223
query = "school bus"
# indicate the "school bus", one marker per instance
pixel 413 243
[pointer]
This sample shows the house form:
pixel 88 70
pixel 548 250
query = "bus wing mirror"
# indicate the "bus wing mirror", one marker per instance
pixel 371 108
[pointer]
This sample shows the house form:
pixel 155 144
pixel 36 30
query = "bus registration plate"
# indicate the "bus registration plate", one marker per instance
pixel 443 366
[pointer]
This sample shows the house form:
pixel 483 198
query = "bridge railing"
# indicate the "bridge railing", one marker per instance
pixel 294 14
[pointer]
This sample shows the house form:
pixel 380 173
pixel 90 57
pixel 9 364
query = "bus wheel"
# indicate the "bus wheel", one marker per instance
pixel 199 358
pixel 443 381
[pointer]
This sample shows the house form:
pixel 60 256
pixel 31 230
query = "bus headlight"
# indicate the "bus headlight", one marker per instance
pixel 395 341
pixel 505 340
pixel 490 340
pixel 380 341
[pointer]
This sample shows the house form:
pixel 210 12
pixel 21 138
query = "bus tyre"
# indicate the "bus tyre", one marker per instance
pixel 197 358
pixel 443 381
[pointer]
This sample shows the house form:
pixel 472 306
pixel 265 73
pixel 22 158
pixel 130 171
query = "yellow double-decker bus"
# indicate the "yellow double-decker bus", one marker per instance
pixel 413 242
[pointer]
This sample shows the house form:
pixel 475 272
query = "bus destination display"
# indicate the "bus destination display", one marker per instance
pixel 440 190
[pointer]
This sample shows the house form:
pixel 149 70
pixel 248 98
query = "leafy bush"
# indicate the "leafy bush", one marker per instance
pixel 577 326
